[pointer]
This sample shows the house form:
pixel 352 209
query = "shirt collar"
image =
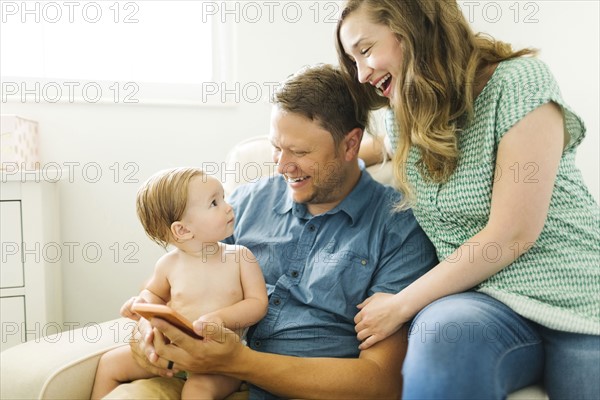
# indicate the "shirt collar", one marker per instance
pixel 285 203
pixel 359 198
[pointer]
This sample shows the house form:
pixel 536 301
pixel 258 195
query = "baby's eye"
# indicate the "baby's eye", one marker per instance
pixel 365 51
pixel 214 203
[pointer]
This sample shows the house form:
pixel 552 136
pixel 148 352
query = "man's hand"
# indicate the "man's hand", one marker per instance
pixel 379 317
pixel 216 353
pixel 142 349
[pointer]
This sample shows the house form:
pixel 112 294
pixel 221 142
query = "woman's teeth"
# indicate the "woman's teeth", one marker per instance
pixel 380 84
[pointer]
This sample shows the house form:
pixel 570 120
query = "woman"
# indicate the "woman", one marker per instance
pixel 484 154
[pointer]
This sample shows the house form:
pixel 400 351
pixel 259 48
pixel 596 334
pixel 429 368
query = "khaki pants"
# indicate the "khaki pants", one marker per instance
pixel 160 389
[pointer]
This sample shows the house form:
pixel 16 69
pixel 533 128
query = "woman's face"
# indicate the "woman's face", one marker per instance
pixel 375 50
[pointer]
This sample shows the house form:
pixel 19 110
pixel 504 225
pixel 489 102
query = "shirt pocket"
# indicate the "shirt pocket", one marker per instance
pixel 341 278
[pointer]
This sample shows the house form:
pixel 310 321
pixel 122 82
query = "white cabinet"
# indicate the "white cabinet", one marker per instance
pixel 13 320
pixel 11 273
pixel 30 272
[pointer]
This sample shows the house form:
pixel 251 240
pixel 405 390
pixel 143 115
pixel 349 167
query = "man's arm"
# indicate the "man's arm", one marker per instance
pixel 376 373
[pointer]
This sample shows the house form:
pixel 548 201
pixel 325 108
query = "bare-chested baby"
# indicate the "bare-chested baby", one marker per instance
pixel 201 278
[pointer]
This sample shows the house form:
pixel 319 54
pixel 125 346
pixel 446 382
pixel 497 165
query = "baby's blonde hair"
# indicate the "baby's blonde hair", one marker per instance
pixel 162 200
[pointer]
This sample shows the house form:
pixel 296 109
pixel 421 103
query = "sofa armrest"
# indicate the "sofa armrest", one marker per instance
pixel 533 392
pixel 60 366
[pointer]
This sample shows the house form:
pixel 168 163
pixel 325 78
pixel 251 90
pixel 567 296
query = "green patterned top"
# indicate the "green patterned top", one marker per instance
pixel 557 281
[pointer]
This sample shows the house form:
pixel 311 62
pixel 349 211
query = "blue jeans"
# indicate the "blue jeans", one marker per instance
pixel 471 346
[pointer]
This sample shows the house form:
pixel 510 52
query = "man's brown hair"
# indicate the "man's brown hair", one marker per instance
pixel 321 94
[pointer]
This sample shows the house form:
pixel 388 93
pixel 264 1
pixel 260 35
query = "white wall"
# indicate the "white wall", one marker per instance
pixel 567 35
pixel 101 215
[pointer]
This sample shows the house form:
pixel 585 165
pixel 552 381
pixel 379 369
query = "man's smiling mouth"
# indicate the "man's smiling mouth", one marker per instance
pixel 294 180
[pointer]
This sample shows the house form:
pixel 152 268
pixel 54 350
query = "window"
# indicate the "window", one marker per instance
pixel 111 51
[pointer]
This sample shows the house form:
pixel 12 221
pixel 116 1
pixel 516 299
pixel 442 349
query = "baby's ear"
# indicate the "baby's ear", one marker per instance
pixel 180 232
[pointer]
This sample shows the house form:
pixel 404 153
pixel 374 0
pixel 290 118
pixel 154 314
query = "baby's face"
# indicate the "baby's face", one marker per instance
pixel 207 215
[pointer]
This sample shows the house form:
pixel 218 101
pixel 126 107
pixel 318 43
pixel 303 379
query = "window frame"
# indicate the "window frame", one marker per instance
pixel 29 89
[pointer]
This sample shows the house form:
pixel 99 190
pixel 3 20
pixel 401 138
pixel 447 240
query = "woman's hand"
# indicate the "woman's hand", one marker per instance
pixel 379 317
pixel 216 353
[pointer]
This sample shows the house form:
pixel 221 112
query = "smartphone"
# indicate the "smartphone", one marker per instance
pixel 148 311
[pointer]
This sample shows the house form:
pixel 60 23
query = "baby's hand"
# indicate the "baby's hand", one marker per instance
pixel 126 308
pixel 211 320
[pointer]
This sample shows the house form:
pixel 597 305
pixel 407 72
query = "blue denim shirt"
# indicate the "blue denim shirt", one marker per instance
pixel 318 268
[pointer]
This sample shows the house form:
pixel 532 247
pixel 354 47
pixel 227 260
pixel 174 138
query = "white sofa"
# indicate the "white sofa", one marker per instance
pixel 63 366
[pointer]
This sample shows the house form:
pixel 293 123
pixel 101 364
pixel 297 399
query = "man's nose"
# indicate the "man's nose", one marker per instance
pixel 285 164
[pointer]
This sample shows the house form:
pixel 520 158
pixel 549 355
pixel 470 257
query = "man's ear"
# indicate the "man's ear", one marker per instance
pixel 180 232
pixel 352 143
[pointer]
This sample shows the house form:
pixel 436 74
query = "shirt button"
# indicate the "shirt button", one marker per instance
pixel 311 228
pixel 257 343
pixel 277 302
pixel 363 262
pixel 295 274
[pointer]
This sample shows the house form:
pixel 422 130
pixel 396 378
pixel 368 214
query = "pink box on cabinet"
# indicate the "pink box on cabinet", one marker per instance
pixel 19 143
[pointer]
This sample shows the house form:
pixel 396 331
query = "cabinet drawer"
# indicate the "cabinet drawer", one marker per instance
pixel 11 263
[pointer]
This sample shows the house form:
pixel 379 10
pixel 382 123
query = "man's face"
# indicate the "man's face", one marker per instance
pixel 308 160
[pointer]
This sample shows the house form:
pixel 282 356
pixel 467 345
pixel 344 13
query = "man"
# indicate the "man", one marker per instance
pixel 327 237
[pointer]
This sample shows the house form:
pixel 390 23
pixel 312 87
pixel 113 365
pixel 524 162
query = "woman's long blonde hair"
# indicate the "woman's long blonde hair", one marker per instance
pixel 442 58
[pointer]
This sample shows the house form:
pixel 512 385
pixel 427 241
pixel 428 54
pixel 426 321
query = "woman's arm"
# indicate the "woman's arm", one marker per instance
pixel 372 150
pixel 375 374
pixel 254 305
pixel 518 211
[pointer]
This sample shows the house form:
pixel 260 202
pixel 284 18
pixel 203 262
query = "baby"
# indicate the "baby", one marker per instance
pixel 200 277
